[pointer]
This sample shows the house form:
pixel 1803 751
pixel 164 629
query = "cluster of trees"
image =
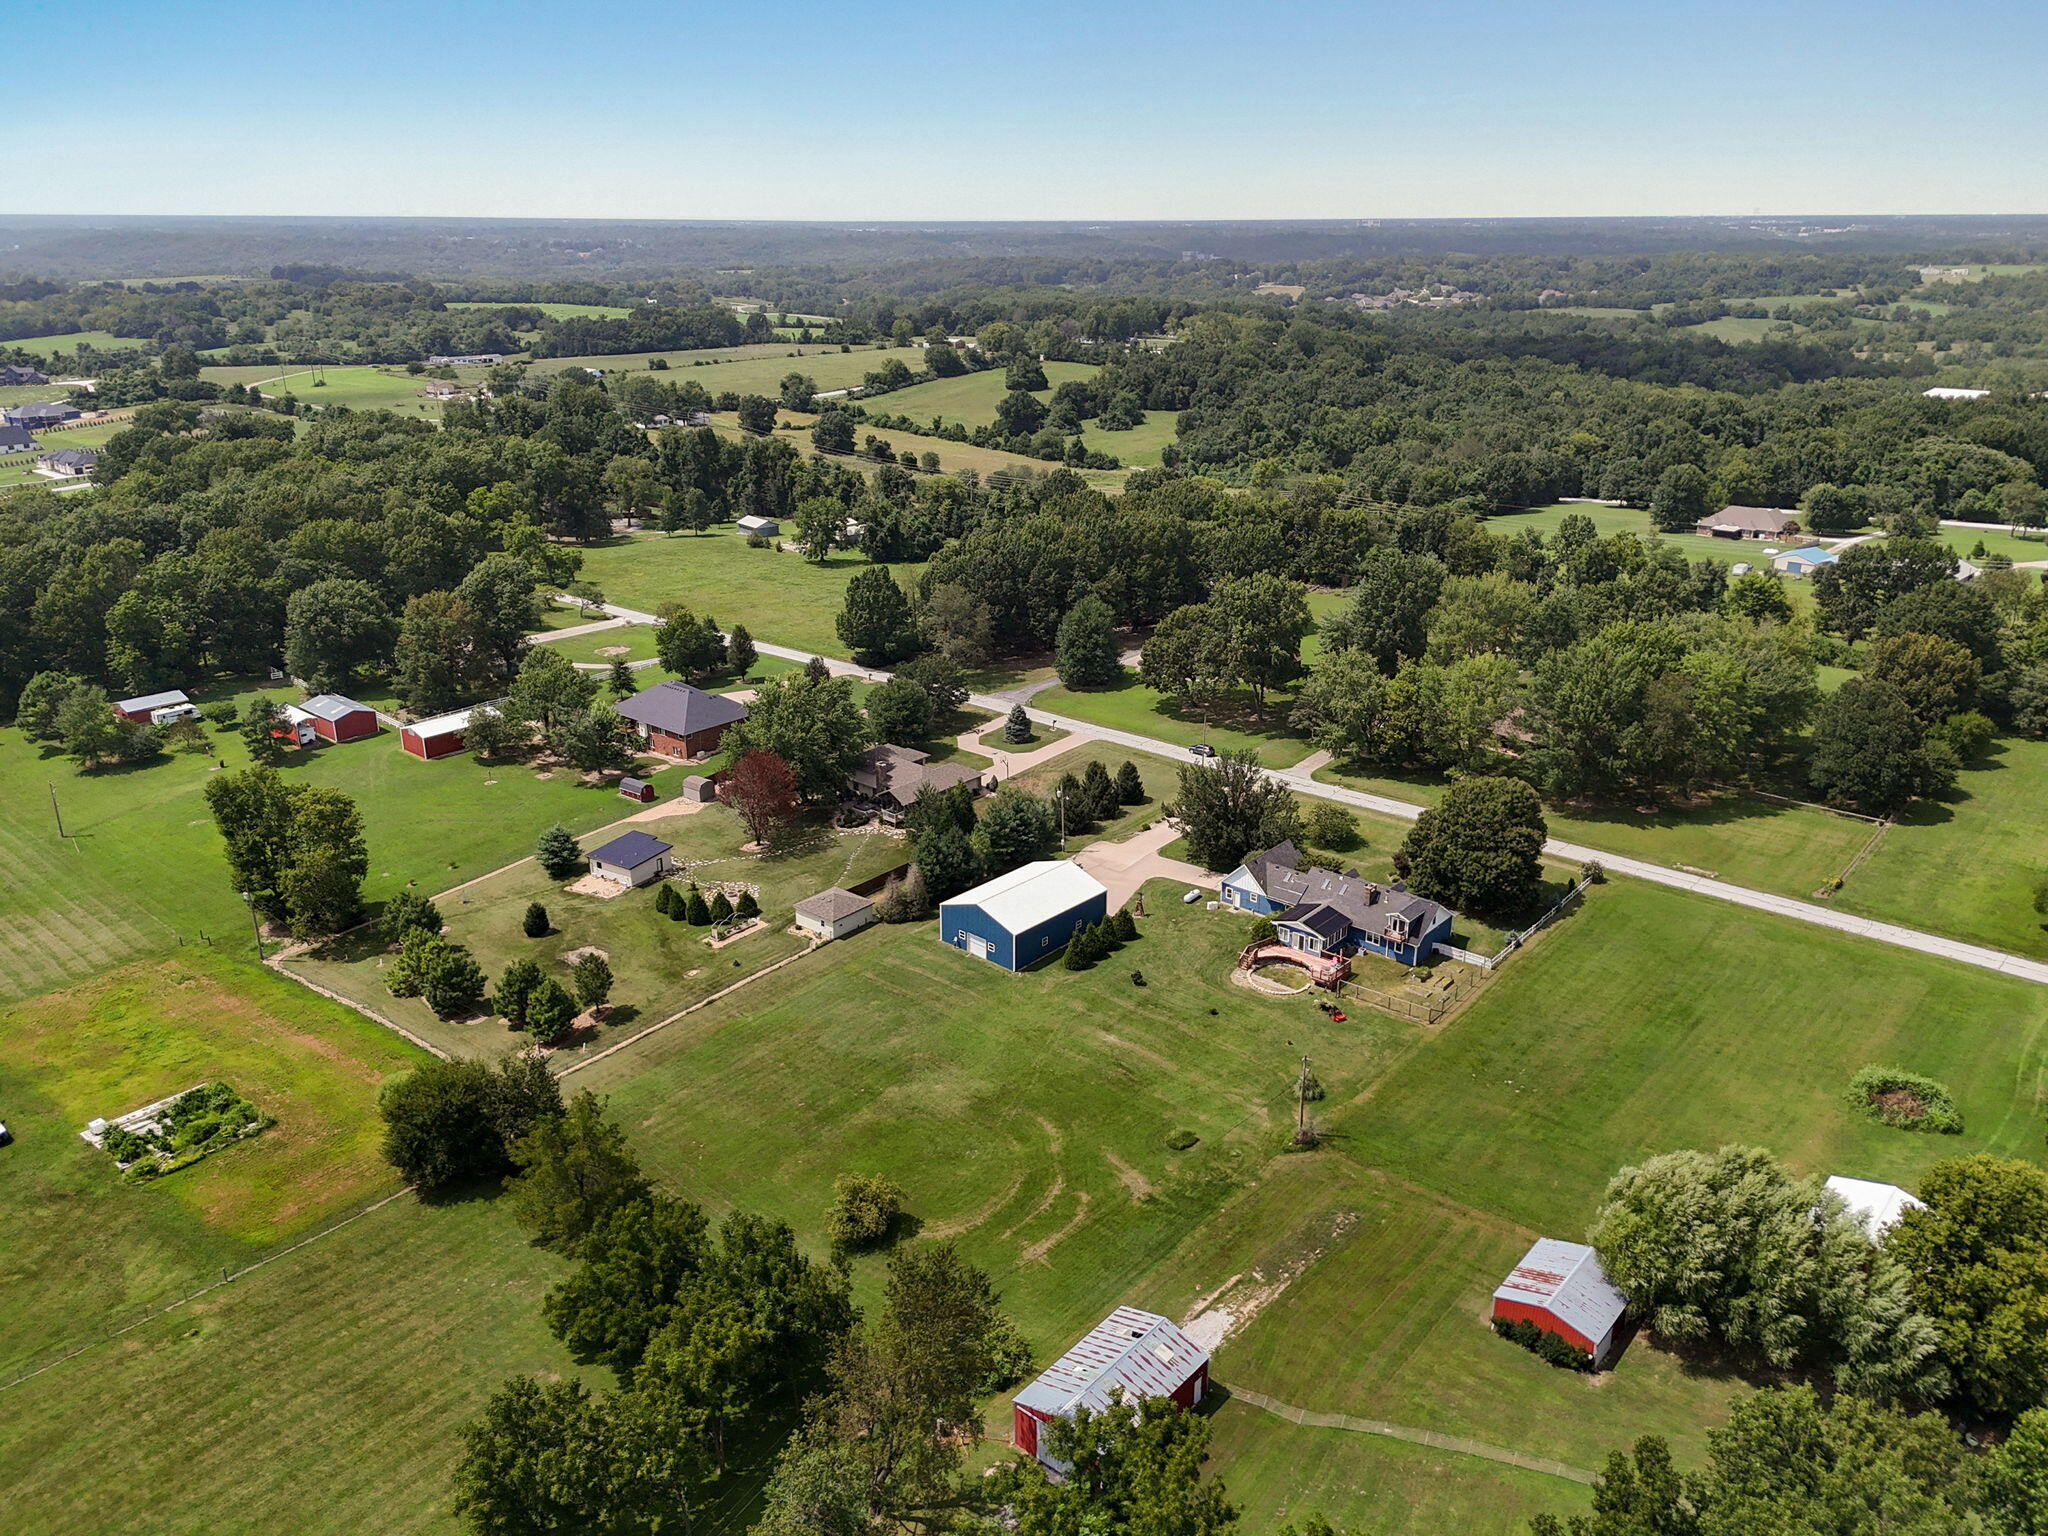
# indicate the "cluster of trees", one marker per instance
pixel 295 851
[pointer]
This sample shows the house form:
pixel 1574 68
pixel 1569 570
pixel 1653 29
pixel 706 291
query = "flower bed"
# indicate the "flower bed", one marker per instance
pixel 176 1132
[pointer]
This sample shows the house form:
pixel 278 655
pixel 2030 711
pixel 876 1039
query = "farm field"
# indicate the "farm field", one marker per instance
pixel 361 387
pixel 2018 549
pixel 752 370
pixel 969 399
pixel 953 457
pixel 71 341
pixel 73 907
pixel 88 1249
pixel 1024 1114
pixel 1134 707
pixel 552 311
pixel 33 394
pixel 780 596
pixel 661 965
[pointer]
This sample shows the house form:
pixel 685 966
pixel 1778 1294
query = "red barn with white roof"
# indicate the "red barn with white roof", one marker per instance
pixel 1142 1353
pixel 1561 1288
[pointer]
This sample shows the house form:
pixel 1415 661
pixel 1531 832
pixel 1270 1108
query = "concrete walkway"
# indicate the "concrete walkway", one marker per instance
pixel 1298 779
pixel 1125 867
pixel 573 630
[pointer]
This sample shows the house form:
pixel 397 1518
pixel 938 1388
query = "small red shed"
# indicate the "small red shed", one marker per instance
pixel 438 737
pixel 339 719
pixel 637 789
pixel 1561 1288
pixel 1141 1353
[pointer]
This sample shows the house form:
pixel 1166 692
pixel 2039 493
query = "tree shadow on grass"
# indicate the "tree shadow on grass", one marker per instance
pixel 467 1192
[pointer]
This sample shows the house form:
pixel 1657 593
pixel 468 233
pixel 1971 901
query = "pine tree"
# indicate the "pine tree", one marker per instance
pixel 558 852
pixel 1080 954
pixel 549 1009
pixel 623 685
pixel 1017 729
pixel 1126 925
pixel 669 904
pixel 515 989
pixel 695 912
pixel 1099 794
pixel 816 670
pixel 1130 788
pixel 746 906
pixel 1073 803
pixel 721 908
pixel 536 924
pixel 740 654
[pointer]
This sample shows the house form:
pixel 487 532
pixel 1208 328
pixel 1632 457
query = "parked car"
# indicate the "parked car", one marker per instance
pixel 1202 749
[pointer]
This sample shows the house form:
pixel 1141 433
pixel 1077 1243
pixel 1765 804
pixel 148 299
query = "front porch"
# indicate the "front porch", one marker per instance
pixel 1325 970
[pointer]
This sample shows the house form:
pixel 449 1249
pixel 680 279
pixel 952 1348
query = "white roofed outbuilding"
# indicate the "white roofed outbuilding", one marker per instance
pixel 1876 1207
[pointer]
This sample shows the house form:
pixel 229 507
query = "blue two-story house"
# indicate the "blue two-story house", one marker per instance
pixel 1321 915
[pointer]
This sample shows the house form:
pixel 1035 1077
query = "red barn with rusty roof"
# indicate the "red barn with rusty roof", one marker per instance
pixel 1561 1288
pixel 1141 1353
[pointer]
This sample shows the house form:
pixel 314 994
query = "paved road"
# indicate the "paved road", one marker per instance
pixel 1296 779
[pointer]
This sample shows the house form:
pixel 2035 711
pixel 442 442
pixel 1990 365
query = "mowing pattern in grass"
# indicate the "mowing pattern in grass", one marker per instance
pixel 362 388
pixel 954 458
pixel 87 1249
pixel 71 341
pixel 757 369
pixel 661 965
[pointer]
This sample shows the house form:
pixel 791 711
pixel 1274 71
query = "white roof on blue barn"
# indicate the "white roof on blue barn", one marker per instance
pixel 1032 894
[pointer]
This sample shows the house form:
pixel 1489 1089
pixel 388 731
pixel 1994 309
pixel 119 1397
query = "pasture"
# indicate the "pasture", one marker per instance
pixel 361 387
pixel 2022 548
pixel 969 399
pixel 71 341
pixel 141 870
pixel 1236 720
pixel 954 458
pixel 1608 521
pixel 751 370
pixel 1026 1116
pixel 780 596
pixel 552 311
pixel 88 1249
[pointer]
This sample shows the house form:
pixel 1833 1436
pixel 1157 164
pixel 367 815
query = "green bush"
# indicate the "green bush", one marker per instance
pixel 1545 1346
pixel 865 1209
pixel 1181 1140
pixel 1263 931
pixel 1905 1100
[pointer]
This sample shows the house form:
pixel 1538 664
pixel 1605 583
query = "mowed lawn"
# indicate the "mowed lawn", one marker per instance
pixel 21 470
pixel 780 596
pixel 71 341
pixel 552 311
pixel 969 399
pixel 360 387
pixel 141 869
pixel 954 458
pixel 86 1250
pixel 755 369
pixel 1235 721
pixel 660 965
pixel 1608 521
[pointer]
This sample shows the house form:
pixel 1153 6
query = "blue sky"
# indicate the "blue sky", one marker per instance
pixel 884 110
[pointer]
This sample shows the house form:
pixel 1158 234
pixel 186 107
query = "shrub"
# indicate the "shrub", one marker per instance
pixel 1181 1140
pixel 721 908
pixel 1124 925
pixel 1137 978
pixel 535 925
pixel 695 912
pixel 865 1208
pixel 224 715
pixel 1263 931
pixel 746 906
pixel 1331 826
pixel 1904 1100
pixel 406 912
pixel 668 903
pixel 1009 1357
pixel 1545 1346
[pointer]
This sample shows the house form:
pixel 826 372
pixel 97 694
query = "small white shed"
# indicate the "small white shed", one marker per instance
pixel 766 527
pixel 834 914
pixel 633 859
pixel 1877 1207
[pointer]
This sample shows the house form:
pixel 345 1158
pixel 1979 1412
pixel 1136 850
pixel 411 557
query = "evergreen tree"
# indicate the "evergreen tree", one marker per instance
pixel 1126 925
pixel 1099 794
pixel 1130 787
pixel 535 925
pixel 947 859
pixel 406 911
pixel 876 622
pixel 1080 950
pixel 592 977
pixel 1085 651
pixel 1017 728
pixel 695 911
pixel 746 906
pixel 721 908
pixel 515 987
pixel 623 686
pixel 740 654
pixel 558 852
pixel 549 1009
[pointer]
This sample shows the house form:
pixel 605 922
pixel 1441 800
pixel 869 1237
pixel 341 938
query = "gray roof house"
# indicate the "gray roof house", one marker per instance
pixel 834 913
pixel 678 720
pixel 15 439
pixel 891 778
pixel 1748 523
pixel 1324 916
pixel 67 462
pixel 45 413
pixel 13 375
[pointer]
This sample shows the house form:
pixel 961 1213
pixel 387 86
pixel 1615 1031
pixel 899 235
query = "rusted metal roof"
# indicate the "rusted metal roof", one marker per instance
pixel 1565 1280
pixel 1140 1352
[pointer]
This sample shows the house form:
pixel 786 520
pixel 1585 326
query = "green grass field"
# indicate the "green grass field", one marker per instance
pixel 1025 1116
pixel 781 597
pixel 954 458
pixel 661 965
pixel 969 399
pixel 33 394
pixel 1736 329
pixel 1234 722
pixel 1608 521
pixel 757 369
pixel 87 1249
pixel 552 311
pixel 362 388
pixel 1996 541
pixel 71 341
pixel 142 870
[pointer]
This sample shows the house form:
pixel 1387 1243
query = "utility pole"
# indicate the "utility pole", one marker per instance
pixel 57 811
pixel 256 928
pixel 1303 1135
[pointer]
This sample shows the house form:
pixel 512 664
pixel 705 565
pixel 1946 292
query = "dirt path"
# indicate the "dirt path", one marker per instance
pixel 1429 1437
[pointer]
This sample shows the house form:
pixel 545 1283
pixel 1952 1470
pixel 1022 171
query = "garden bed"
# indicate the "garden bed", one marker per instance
pixel 178 1131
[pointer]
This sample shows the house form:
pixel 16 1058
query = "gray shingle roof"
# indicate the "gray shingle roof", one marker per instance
pixel 630 850
pixel 680 709
pixel 830 906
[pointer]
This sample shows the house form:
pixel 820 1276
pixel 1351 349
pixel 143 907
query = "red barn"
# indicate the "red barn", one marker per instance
pixel 338 719
pixel 157 708
pixel 1140 1352
pixel 437 737
pixel 1561 1288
